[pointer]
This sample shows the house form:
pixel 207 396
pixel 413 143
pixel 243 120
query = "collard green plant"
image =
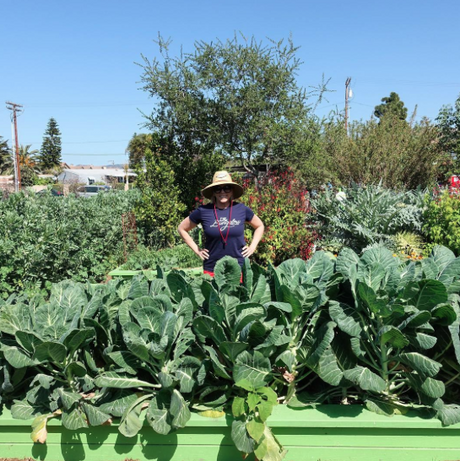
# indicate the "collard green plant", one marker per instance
pixel 366 329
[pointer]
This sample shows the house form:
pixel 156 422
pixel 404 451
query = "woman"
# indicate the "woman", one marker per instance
pixel 223 223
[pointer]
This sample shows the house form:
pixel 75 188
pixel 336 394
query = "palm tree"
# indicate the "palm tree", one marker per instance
pixel 6 159
pixel 136 148
pixel 28 159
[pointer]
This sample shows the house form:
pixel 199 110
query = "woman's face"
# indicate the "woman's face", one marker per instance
pixel 223 195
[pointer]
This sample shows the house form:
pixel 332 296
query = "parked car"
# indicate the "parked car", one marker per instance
pixel 90 191
pixel 53 192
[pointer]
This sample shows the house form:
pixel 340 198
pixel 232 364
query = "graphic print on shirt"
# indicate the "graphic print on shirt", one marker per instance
pixel 223 223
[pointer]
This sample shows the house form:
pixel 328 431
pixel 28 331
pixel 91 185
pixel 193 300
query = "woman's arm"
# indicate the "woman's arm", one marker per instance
pixel 184 228
pixel 258 226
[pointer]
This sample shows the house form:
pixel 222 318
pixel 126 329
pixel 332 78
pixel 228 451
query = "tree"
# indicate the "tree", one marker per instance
pixel 28 158
pixel 6 159
pixel 391 105
pixel 136 148
pixel 50 152
pixel 237 98
pixel 448 124
pixel 159 209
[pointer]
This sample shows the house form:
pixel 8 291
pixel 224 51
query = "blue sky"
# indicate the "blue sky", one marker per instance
pixel 75 60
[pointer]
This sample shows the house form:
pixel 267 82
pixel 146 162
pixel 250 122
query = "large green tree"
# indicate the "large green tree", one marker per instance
pixel 448 124
pixel 391 105
pixel 51 151
pixel 6 159
pixel 238 98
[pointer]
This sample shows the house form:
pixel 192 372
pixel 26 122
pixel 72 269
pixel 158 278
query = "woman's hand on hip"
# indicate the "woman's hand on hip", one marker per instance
pixel 247 251
pixel 203 254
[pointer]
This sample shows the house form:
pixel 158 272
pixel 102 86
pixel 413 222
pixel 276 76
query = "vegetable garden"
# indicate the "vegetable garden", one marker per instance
pixel 363 325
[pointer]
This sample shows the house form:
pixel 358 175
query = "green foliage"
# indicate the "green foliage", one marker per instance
pixel 46 239
pixel 159 208
pixel 279 200
pixel 237 97
pixel 391 105
pixel 442 221
pixel 6 160
pixel 180 256
pixel 366 216
pixel 136 149
pixel 50 151
pixel 357 329
pixel 448 125
pixel 391 151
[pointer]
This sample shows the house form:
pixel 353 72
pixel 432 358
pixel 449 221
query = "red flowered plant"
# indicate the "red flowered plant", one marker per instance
pixel 281 202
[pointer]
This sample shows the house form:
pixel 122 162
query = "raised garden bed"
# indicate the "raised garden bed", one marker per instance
pixel 328 433
pixel 129 274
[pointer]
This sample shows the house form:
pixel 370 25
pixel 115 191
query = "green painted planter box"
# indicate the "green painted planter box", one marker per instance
pixel 328 433
pixel 129 274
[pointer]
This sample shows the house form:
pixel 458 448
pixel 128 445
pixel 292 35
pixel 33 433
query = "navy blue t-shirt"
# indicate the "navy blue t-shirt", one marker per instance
pixel 205 216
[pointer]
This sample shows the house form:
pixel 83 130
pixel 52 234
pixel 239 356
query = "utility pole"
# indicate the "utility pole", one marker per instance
pixel 17 168
pixel 347 92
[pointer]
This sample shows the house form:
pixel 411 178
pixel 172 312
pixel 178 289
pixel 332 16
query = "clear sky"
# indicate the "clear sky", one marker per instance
pixel 75 60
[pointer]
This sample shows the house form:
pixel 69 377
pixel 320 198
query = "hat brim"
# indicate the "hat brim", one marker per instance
pixel 237 189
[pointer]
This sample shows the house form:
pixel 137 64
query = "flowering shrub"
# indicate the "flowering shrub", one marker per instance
pixel 280 202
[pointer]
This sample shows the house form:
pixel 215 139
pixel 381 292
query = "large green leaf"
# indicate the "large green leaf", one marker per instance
pixel 74 419
pixel 50 351
pixel 366 379
pixel 289 271
pixel 112 379
pixel 241 437
pixel 22 409
pixel 442 257
pixel 428 294
pixel 246 316
pixel 159 419
pixel 232 349
pixel 346 318
pixel 320 266
pixel 420 363
pixel 322 338
pixel 227 273
pixel 116 401
pixel 131 422
pixel 95 416
pixel 347 262
pixel 179 410
pixel 253 369
pixel 392 335
pixel 17 358
pixel 206 327
pixel 139 287
pixel 328 369
pixel 79 339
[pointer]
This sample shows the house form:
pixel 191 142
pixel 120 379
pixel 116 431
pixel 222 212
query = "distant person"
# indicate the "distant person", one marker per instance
pixel 223 222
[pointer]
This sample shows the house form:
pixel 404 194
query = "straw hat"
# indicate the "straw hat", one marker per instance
pixel 221 178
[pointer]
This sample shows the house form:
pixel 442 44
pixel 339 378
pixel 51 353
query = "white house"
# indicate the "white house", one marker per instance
pixel 91 175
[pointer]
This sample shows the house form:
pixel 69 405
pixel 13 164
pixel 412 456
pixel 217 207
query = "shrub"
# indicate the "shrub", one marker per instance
pixel 442 221
pixel 366 216
pixel 47 239
pixel 159 208
pixel 180 256
pixel 279 200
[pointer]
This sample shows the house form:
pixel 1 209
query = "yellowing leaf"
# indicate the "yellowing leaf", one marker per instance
pixel 212 413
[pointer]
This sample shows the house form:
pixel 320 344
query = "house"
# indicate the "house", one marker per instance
pixel 88 174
